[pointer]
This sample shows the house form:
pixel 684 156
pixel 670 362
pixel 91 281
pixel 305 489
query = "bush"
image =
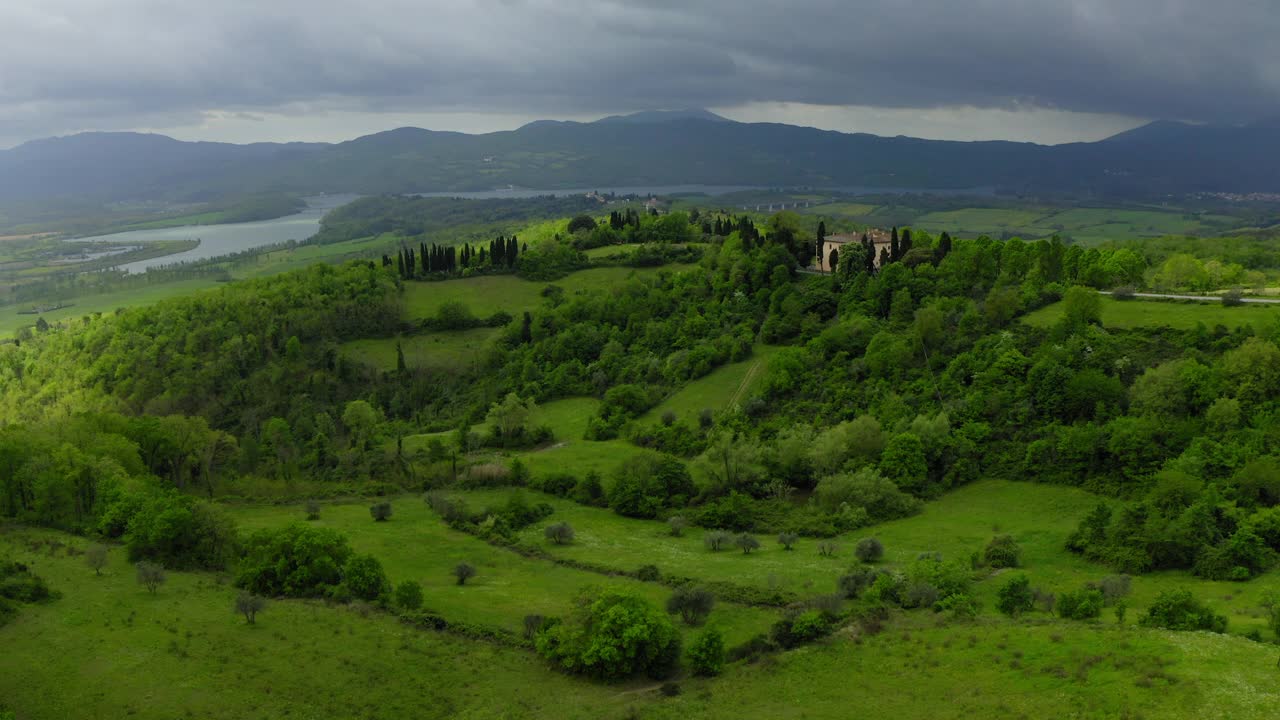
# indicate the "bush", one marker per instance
pixel 464 572
pixel 1015 596
pixel 409 595
pixel 20 585
pixel 747 543
pixel 693 604
pixel 648 573
pixel 643 486
pixel 150 575
pixel 364 578
pixel 559 533
pixel 1083 604
pixel 1233 297
pixel 381 511
pixel 810 625
pixel 869 550
pixel 1115 587
pixel 1179 610
pixel 855 582
pixel 249 605
pixel 1002 552
pixel 533 624
pixel 312 509
pixel 827 548
pixel 589 490
pixel 676 524
pixel 1123 292
pixel 920 594
pixel 293 561
pixel 716 540
pixel 707 655
pixel 558 484
pixel 179 531
pixel 96 557
pixel 612 636
pixel 786 540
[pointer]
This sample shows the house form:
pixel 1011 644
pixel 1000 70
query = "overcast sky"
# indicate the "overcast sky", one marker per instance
pixel 245 70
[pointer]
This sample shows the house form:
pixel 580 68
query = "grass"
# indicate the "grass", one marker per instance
pixel 416 545
pixel 108 649
pixel 453 349
pixel 845 209
pixel 10 320
pixel 488 294
pixel 723 387
pixel 970 222
pixel 1085 225
pixel 1129 314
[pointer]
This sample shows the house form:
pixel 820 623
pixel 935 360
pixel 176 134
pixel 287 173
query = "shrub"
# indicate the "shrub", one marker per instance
pixel 787 539
pixel 668 418
pixel 855 582
pixel 643 486
pixel 1002 552
pixel 1233 297
pixel 409 595
pixel 1123 292
pixel 1179 610
pixel 715 540
pixel 150 575
pixel 179 531
pixel 293 561
pixel 1015 596
pixel 920 594
pixel 559 533
pixel 364 578
pixel 312 508
pixel 747 543
pixel 693 604
pixel 961 607
pixel 96 557
pixel 589 490
pixel 869 550
pixel 612 636
pixel 1083 604
pixel 706 418
pixel 707 654
pixel 648 573
pixel 463 572
pixel 827 548
pixel 533 624
pixel 810 625
pixel 249 605
pixel 381 511
pixel 558 484
pixel 1115 587
pixel 676 525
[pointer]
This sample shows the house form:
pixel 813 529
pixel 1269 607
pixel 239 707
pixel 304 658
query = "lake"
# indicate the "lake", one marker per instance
pixel 216 240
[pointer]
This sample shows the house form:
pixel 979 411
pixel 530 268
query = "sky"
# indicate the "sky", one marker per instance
pixel 1045 71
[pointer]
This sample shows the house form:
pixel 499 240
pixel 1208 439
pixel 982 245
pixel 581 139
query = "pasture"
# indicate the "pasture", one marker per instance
pixel 722 388
pixel 1179 315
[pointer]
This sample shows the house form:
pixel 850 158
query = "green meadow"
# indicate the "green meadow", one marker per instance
pixel 721 389
pixel 1180 315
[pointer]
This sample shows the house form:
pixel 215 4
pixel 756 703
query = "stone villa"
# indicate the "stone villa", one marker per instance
pixel 833 243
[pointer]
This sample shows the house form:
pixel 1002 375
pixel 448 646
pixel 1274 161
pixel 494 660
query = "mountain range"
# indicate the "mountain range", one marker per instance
pixel 649 148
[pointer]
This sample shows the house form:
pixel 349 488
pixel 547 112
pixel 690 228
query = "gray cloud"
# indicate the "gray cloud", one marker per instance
pixel 74 64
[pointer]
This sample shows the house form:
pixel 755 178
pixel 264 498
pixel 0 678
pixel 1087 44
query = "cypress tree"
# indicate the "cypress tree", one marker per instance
pixel 944 245
pixel 400 366
pixel 893 246
pixel 513 251
pixel 904 245
pixel 400 264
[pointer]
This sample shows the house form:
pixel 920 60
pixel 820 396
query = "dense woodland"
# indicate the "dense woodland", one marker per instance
pixel 893 386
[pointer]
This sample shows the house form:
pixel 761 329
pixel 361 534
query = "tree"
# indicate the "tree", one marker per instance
pixel 364 578
pixel 1083 604
pixel 380 511
pixel 312 508
pixel 464 572
pixel 1015 596
pixel 869 550
pixel 293 561
pixel 361 420
pixel 509 417
pixel 249 605
pixel 150 575
pixel 1082 307
pixel 95 556
pixel 612 636
pixel 787 539
pixel 559 533
pixel 715 540
pixel 693 604
pixel 747 542
pixel 409 595
pixel 1002 552
pixel 676 525
pixel 707 654
pixel 904 462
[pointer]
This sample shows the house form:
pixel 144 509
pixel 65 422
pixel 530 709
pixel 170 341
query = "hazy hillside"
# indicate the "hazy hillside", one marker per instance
pixel 690 146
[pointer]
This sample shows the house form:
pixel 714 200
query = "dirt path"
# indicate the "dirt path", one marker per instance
pixel 746 382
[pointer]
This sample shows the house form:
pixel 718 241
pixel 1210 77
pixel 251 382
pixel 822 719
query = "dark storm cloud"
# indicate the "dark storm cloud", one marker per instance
pixel 67 64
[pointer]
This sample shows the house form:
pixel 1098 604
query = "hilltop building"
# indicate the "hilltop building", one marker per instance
pixel 833 243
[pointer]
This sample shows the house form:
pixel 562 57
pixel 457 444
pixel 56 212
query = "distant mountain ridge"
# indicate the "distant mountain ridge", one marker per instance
pixel 664 147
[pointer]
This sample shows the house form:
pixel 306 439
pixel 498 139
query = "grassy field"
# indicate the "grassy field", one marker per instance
pixel 489 294
pixel 1039 517
pixel 843 209
pixel 1084 225
pixel 457 349
pixel 10 320
pixel 1128 314
pixel 723 387
pixel 971 222
pixel 416 545
pixel 108 649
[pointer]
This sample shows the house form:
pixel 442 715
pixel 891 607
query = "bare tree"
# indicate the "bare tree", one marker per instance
pixel 249 605
pixel 151 575
pixel 560 533
pixel 96 557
